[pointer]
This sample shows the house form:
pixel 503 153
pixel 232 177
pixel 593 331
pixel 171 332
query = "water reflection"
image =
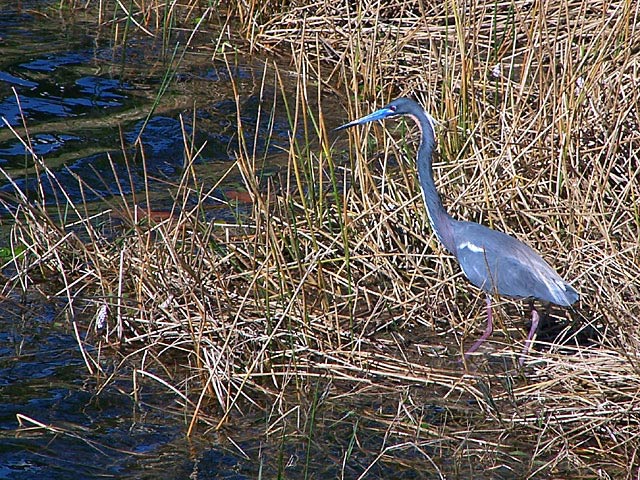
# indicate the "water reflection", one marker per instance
pixel 43 378
pixel 85 111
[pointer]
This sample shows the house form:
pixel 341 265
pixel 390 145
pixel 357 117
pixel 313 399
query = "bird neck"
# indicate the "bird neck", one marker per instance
pixel 441 221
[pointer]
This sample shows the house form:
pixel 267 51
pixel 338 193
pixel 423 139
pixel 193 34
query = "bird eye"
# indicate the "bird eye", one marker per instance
pixel 393 108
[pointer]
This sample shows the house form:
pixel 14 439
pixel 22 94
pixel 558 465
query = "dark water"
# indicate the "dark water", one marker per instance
pixel 80 101
pixel 86 101
pixel 57 423
pixel 43 378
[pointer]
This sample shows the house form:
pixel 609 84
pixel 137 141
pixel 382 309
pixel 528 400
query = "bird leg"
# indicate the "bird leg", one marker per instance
pixel 487 331
pixel 535 318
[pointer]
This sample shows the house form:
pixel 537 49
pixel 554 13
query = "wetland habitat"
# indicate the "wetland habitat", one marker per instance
pixel 201 279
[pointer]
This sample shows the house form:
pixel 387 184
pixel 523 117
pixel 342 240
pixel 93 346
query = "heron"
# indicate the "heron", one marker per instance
pixel 491 260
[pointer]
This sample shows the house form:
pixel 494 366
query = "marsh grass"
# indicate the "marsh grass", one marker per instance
pixel 334 275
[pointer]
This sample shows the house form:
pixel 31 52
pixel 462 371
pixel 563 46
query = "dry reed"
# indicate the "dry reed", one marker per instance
pixel 335 274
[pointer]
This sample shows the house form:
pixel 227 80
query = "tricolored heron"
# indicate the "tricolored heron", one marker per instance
pixel 491 260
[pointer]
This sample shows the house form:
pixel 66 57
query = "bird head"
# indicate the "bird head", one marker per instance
pixel 400 106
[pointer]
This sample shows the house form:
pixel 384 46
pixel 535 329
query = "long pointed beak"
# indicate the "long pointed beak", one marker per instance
pixel 377 115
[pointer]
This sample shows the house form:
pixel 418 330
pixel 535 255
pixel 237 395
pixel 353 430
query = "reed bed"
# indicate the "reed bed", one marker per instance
pixel 334 279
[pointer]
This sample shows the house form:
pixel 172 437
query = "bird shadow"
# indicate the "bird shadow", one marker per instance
pixel 572 329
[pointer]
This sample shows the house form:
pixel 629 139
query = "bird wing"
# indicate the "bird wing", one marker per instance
pixel 495 272
pixel 500 264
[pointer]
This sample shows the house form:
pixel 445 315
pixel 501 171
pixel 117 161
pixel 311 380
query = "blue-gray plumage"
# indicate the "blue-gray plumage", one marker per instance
pixel 491 260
